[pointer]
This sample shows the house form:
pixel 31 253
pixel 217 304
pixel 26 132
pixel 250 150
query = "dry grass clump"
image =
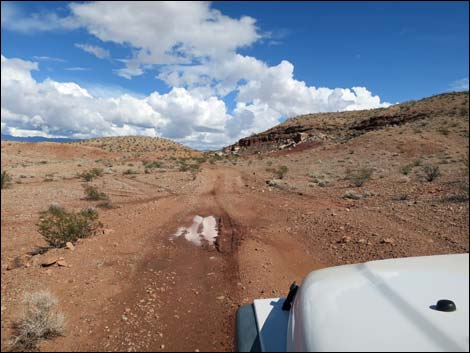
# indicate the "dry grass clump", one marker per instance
pixel 40 320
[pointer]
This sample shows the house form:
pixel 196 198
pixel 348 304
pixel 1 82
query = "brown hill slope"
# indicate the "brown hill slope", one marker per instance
pixel 313 129
pixel 139 144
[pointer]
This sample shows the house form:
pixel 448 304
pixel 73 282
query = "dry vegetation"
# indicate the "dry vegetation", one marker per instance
pixel 41 320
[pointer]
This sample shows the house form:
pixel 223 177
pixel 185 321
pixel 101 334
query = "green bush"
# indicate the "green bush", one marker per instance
pixel 92 193
pixel 407 169
pixel 6 179
pixel 151 165
pixel 281 171
pixel 359 177
pixel 431 172
pixel 59 226
pixel 91 174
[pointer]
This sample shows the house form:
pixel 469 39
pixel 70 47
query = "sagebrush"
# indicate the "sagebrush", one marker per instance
pixel 40 320
pixel 93 194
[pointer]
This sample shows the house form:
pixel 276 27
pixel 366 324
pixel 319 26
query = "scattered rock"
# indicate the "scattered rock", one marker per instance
pixel 351 195
pixel 61 263
pixel 345 239
pixel 49 261
pixel 70 246
pixel 19 261
pixel 221 297
pixel 387 241
pixel 271 182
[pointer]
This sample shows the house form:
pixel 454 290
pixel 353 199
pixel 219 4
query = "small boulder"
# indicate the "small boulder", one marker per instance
pixel 69 246
pixel 19 261
pixel 48 261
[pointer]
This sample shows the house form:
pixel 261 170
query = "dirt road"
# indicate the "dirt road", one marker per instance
pixel 137 288
pixel 184 297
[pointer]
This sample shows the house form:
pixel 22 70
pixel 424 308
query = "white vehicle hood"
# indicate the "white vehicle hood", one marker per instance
pixel 383 305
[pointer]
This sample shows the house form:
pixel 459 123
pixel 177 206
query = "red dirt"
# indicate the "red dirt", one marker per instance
pixel 133 289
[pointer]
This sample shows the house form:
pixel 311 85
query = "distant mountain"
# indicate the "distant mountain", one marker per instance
pixel 35 139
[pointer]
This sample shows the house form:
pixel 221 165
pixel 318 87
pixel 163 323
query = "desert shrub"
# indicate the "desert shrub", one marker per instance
pixel 153 164
pixel 200 160
pixel 59 226
pixel 281 171
pixel 91 174
pixel 130 171
pixel 6 179
pixel 408 168
pixel 93 194
pixel 360 176
pixel 183 168
pixel 40 320
pixel 431 172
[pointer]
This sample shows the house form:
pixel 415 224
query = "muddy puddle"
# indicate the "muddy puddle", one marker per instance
pixel 203 229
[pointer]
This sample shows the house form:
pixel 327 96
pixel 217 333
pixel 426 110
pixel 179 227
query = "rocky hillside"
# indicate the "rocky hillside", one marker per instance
pixel 140 144
pixel 313 129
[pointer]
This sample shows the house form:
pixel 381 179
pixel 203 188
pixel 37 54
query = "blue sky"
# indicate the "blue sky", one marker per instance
pixel 249 64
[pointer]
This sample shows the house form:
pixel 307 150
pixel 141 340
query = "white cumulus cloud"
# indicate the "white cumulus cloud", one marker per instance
pixel 195 50
pixel 67 109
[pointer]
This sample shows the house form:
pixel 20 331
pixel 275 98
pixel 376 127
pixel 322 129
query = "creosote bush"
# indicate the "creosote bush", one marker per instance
pixel 40 320
pixel 359 177
pixel 59 226
pixel 93 194
pixel 431 172
pixel 6 179
pixel 91 174
pixel 281 171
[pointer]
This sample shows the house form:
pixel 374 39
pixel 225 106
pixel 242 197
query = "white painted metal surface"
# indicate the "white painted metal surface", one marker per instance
pixel 383 306
pixel 272 324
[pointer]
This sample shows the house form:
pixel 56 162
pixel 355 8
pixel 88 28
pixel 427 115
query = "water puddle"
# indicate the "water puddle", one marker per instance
pixel 202 229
